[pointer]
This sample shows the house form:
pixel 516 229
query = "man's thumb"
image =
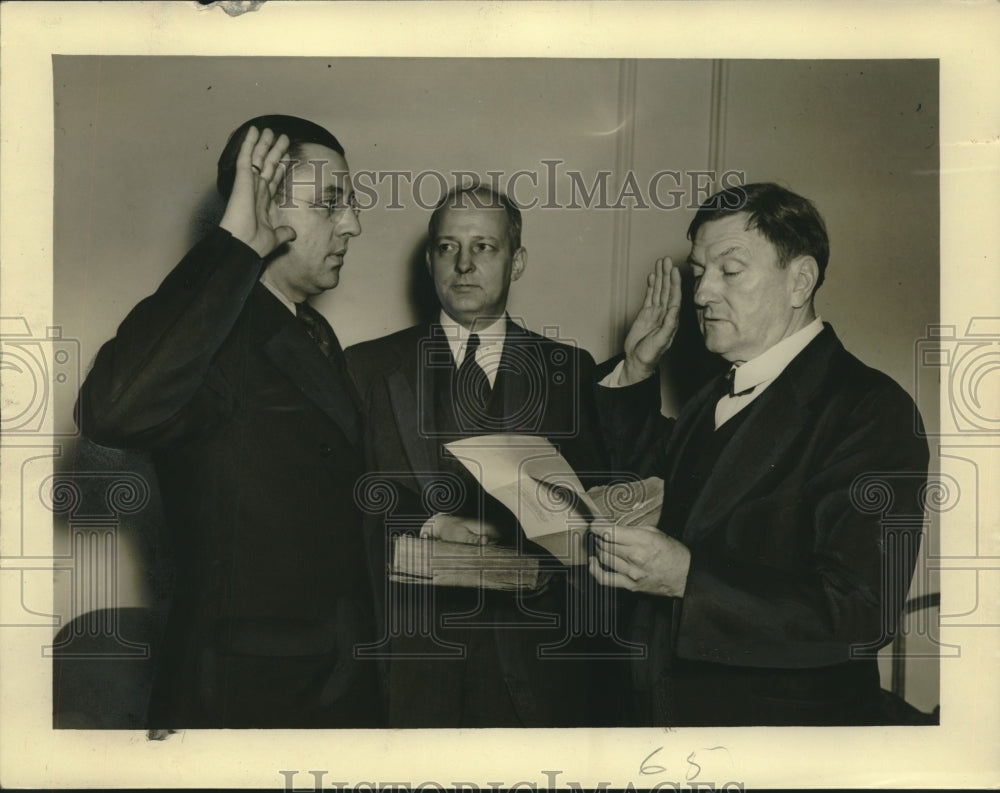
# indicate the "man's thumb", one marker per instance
pixel 283 234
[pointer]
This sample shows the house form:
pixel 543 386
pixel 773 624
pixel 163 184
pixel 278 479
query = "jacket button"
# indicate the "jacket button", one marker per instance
pixel 325 450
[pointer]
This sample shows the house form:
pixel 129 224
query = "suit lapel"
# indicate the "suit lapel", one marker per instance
pixel 402 396
pixel 522 399
pixel 412 397
pixel 779 416
pixel 300 359
pixel 684 429
pixel 764 437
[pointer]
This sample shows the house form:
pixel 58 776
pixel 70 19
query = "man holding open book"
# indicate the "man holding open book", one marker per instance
pixel 504 648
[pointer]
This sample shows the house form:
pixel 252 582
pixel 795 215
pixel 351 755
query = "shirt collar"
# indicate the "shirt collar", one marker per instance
pixel 772 362
pixel 489 336
pixel 277 293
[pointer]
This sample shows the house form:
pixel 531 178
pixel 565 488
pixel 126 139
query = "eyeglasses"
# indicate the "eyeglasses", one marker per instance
pixel 336 206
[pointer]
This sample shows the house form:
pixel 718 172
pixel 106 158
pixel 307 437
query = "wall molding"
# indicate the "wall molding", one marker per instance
pixel 622 229
pixel 717 120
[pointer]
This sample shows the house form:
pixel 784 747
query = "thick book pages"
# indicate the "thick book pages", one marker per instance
pixel 417 560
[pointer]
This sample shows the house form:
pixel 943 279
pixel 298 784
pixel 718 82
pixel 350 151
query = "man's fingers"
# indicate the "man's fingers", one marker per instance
pixel 629 541
pixel 674 299
pixel 614 560
pixel 243 156
pixel 273 156
pixel 622 558
pixel 278 178
pixel 666 279
pixel 260 149
pixel 630 549
pixel 658 283
pixel 648 299
pixel 608 577
pixel 669 304
pixel 476 533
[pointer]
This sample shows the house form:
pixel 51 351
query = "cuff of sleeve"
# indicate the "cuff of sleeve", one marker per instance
pixel 642 394
pixel 613 378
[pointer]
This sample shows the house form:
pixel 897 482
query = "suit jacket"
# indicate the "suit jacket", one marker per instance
pixel 803 541
pixel 255 435
pixel 544 387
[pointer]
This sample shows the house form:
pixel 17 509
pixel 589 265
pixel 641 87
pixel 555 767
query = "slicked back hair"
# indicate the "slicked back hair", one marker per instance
pixel 788 221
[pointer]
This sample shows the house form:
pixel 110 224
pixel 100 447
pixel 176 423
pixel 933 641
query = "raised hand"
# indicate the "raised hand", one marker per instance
pixel 655 325
pixel 259 171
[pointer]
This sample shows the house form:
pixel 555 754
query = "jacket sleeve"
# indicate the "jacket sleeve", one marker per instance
pixel 634 430
pixel 857 516
pixel 145 376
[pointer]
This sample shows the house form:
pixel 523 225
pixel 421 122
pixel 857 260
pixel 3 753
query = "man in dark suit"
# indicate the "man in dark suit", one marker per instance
pixel 238 388
pixel 481 660
pixel 771 580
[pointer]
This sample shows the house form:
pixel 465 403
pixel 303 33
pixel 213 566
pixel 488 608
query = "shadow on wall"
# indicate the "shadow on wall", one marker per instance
pixel 423 299
pixel 207 213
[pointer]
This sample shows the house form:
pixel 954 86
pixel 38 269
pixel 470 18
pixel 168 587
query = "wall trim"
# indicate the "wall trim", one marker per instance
pixel 622 229
pixel 717 119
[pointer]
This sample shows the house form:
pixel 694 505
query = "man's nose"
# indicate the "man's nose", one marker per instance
pixel 463 262
pixel 706 289
pixel 349 225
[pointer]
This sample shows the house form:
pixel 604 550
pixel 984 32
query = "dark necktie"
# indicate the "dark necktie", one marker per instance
pixel 725 386
pixel 473 384
pixel 319 331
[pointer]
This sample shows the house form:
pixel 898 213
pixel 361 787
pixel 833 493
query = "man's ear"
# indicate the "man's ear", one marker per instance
pixel 805 273
pixel 519 262
pixel 427 261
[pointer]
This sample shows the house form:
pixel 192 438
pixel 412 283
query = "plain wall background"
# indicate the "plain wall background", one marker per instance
pixel 137 138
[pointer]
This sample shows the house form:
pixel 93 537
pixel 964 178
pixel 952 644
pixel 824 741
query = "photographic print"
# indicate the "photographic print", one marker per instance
pixel 423 413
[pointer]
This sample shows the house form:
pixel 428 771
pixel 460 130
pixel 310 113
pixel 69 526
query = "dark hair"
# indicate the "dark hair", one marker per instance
pixel 493 200
pixel 299 132
pixel 786 220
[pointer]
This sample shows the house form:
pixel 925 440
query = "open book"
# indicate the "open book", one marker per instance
pixel 536 483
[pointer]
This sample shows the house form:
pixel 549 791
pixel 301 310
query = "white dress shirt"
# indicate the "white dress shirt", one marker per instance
pixel 752 377
pixel 491 341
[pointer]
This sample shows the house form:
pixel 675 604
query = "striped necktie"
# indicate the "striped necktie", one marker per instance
pixel 319 331
pixel 473 384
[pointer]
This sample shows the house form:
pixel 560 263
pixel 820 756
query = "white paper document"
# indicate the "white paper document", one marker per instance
pixel 533 480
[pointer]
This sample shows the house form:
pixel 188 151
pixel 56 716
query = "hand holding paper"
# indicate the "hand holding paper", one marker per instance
pixel 528 476
pixel 639 559
pixel 536 483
